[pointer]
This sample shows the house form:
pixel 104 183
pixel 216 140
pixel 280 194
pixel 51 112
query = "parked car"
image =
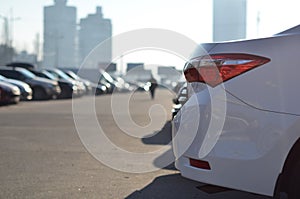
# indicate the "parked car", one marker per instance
pixel 124 85
pixel 240 127
pixel 109 86
pixel 108 81
pixel 179 84
pixel 26 91
pixel 114 84
pixel 9 93
pixel 139 86
pixel 91 87
pixel 42 88
pixel 62 76
pixel 179 100
pixel 86 83
pixel 25 65
pixel 68 89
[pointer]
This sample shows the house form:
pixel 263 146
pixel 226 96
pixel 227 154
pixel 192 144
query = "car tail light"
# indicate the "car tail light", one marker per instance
pixel 218 68
pixel 200 164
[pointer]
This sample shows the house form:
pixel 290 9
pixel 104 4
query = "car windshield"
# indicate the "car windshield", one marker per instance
pixel 62 75
pixel 73 75
pixel 27 73
pixel 106 76
pixel 49 75
pixel 2 77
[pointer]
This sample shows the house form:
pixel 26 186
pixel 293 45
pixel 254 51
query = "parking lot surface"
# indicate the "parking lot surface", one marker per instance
pixel 42 155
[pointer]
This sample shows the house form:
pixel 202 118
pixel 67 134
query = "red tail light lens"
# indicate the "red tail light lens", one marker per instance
pixel 218 68
pixel 200 164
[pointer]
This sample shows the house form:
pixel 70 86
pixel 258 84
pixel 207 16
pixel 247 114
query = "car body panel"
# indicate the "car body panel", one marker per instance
pixel 247 144
pixel 26 91
pixel 80 88
pixel 9 93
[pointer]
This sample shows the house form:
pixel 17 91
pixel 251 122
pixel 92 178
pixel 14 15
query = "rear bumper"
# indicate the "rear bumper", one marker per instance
pixel 249 152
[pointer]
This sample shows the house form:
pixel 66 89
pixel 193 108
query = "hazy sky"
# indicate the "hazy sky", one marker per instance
pixel 192 18
pixel 125 15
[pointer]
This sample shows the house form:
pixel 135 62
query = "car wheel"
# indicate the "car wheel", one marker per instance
pixel 16 100
pixel 294 182
pixel 39 94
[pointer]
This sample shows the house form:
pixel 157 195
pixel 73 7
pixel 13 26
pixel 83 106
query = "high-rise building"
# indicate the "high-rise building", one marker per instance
pixel 59 35
pixel 95 29
pixel 229 19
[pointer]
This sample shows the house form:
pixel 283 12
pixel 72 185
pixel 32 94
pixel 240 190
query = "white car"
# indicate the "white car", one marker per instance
pixel 240 127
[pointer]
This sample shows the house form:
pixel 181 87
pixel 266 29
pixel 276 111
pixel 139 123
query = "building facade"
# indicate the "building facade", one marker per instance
pixel 26 57
pixel 94 29
pixel 59 35
pixel 6 54
pixel 229 20
pixel 137 72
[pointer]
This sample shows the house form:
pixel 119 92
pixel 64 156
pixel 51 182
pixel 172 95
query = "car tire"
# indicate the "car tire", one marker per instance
pixel 39 94
pixel 16 100
pixel 294 182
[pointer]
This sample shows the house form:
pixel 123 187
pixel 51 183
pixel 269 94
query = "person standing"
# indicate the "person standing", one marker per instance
pixel 153 85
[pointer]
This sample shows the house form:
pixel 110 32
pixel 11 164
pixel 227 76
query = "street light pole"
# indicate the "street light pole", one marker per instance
pixel 6 30
pixel 12 19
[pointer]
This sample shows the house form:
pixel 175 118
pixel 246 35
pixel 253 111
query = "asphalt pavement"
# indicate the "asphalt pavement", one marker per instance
pixel 48 152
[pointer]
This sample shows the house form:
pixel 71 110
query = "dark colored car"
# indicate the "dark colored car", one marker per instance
pixel 180 99
pixel 75 77
pixel 68 89
pixel 91 87
pixel 26 91
pixel 139 86
pixel 62 76
pixel 9 93
pixel 109 86
pixel 42 88
pixel 111 83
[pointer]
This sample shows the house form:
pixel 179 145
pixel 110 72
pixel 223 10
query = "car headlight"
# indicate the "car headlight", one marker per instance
pixel 103 88
pixel 16 91
pixel 74 88
pixel 27 89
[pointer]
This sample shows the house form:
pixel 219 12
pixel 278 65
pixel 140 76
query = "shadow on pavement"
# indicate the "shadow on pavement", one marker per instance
pixel 169 186
pixel 163 137
pixel 176 187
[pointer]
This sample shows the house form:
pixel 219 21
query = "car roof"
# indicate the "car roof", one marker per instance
pixel 12 68
pixel 21 65
pixel 293 30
